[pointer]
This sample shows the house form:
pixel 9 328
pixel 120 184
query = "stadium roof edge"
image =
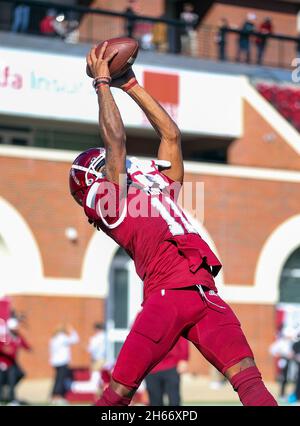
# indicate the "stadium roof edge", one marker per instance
pixel 44 44
pixel 214 169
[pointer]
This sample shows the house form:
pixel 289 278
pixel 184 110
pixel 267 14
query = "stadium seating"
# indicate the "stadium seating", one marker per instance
pixel 285 99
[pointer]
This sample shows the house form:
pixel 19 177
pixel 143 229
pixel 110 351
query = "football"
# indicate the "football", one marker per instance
pixel 127 52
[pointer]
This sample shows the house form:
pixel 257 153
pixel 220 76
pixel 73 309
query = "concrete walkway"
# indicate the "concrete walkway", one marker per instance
pixel 198 389
pixel 195 390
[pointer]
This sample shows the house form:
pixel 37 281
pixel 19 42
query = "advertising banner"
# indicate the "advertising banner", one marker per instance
pixel 55 86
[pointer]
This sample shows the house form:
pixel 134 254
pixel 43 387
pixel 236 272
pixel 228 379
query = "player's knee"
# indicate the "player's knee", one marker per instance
pixel 122 390
pixel 246 363
pixel 246 379
pixel 240 366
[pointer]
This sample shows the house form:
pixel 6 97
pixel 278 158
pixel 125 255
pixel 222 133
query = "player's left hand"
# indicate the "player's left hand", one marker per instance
pixel 99 66
pixel 124 80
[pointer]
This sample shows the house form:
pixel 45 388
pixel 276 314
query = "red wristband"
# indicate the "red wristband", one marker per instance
pixel 98 80
pixel 130 85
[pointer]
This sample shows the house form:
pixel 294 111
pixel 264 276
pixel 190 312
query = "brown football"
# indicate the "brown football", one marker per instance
pixel 127 52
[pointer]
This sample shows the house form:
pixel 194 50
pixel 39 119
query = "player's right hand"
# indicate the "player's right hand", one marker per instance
pixel 99 67
pixel 124 80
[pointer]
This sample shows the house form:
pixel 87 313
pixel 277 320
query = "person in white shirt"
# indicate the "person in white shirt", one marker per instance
pixel 189 36
pixel 96 347
pixel 282 350
pixel 60 357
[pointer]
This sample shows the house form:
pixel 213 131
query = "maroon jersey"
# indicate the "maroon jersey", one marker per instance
pixel 10 348
pixel 167 250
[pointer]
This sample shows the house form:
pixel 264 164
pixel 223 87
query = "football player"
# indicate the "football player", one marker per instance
pixel 176 265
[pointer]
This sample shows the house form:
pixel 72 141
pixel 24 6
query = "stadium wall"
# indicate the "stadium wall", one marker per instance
pixel 53 280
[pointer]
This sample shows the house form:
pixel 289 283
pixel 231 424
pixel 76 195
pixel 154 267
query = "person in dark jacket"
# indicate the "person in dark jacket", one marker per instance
pixel 265 29
pixel 244 46
pixel 221 39
pixel 164 378
pixel 21 18
pixel 130 21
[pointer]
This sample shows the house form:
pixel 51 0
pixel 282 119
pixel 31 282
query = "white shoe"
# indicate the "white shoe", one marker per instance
pixel 216 385
pixel 59 401
pixel 13 403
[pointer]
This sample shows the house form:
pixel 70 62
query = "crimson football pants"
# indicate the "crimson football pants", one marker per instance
pixel 200 316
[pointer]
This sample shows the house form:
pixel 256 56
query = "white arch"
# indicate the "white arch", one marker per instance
pixel 96 264
pixel 25 263
pixel 276 250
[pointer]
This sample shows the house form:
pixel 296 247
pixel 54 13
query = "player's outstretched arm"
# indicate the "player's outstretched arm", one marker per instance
pixel 110 122
pixel 166 128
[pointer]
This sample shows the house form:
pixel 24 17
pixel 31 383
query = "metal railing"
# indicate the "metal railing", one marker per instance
pixel 78 24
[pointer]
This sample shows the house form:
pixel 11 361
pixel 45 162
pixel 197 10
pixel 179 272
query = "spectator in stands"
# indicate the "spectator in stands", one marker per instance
pixel 60 357
pixel 10 370
pixel 47 24
pixel 164 379
pixel 131 21
pixel 222 38
pixel 265 28
pixel 144 34
pixel 160 36
pixel 189 37
pixel 60 25
pixel 65 28
pixel 244 46
pixel 72 35
pixel 21 18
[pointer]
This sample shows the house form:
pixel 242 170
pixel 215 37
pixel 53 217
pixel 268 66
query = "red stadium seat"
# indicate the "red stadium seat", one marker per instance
pixel 285 99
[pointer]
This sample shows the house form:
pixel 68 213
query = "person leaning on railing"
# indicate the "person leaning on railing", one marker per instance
pixel 189 37
pixel 265 28
pixel 244 45
pixel 221 39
